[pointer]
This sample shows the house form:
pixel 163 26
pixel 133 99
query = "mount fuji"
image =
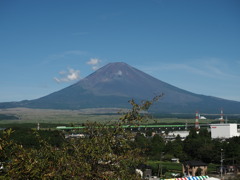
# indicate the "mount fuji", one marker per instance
pixel 113 85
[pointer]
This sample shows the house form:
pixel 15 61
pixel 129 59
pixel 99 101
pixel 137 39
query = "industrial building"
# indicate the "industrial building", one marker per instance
pixel 224 130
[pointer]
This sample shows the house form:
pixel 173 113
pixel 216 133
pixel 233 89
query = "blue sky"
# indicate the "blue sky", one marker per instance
pixel 48 45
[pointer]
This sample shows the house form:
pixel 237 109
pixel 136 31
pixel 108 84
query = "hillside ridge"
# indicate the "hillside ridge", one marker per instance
pixel 113 85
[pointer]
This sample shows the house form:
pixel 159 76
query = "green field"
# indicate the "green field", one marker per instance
pixel 25 115
pixel 51 118
pixel 169 167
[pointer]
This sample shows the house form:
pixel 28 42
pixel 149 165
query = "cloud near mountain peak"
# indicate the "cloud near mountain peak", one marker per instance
pixel 94 63
pixel 67 76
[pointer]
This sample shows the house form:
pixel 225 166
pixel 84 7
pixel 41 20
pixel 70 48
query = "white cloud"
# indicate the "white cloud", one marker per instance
pixel 206 67
pixel 199 70
pixel 95 68
pixel 66 55
pixel 69 75
pixel 94 63
pixel 209 76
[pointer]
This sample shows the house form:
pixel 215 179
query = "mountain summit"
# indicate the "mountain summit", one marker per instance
pixel 114 84
pixel 120 79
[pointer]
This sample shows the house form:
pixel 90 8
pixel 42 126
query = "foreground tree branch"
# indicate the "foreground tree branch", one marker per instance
pixel 106 152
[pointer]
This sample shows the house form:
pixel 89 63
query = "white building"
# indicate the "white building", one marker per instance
pixel 224 131
pixel 182 134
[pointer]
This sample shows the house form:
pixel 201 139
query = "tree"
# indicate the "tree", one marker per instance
pixel 175 148
pixel 106 152
pixel 141 141
pixel 232 150
pixel 156 147
pixel 199 145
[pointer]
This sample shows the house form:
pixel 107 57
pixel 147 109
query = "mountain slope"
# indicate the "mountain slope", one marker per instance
pixel 116 83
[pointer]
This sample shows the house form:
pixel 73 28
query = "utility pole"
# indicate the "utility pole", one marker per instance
pixel 38 126
pixel 221 169
pixel 159 174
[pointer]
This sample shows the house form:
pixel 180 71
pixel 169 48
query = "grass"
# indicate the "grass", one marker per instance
pixel 167 168
pixel 170 167
pixel 49 118
pixel 174 167
pixel 53 116
pixel 30 125
pixel 26 115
